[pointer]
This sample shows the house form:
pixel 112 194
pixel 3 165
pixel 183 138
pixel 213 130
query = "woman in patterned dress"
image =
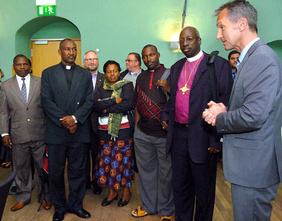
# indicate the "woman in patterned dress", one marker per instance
pixel 115 159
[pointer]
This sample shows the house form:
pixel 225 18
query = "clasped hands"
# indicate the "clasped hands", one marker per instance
pixel 68 122
pixel 210 114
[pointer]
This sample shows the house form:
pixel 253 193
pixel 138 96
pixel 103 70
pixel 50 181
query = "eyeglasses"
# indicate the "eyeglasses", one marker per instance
pixel 128 60
pixel 189 40
pixel 91 59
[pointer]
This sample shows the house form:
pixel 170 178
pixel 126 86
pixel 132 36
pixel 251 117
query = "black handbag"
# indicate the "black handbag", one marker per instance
pixel 131 118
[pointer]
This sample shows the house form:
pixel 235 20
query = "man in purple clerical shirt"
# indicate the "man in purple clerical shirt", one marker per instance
pixel 192 142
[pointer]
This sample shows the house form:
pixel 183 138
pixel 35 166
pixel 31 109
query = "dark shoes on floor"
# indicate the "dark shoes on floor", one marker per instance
pixel 123 202
pixel 97 190
pixel 58 216
pixel 13 190
pixel 82 213
pixel 107 202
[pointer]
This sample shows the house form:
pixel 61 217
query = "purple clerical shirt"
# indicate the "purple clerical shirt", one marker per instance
pixel 182 100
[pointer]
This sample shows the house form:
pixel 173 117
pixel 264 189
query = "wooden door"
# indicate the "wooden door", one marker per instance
pixel 44 53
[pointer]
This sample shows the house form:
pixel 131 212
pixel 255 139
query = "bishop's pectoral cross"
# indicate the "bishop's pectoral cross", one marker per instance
pixel 184 89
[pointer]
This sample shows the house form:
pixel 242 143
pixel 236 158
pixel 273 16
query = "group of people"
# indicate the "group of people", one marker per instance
pixel 174 136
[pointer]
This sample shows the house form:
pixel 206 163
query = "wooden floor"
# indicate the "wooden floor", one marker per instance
pixel 92 203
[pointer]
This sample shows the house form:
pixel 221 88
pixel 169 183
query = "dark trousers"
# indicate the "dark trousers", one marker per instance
pixel 191 181
pixel 75 154
pixel 91 158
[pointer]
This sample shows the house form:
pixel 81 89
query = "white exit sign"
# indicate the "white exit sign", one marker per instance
pixel 46 10
pixel 46 7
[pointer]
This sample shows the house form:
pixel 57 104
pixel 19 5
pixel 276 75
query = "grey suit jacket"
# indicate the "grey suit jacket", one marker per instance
pixel 27 121
pixel 252 148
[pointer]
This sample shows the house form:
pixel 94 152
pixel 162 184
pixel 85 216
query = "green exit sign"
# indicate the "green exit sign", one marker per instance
pixel 46 10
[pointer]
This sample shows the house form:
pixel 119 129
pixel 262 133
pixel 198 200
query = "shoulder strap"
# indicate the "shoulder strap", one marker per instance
pixel 210 64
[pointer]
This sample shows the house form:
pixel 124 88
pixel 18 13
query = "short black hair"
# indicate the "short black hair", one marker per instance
pixel 66 39
pixel 233 52
pixel 111 62
pixel 23 56
pixel 149 45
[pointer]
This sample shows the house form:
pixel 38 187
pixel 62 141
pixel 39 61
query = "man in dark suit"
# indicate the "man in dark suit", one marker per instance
pixel 91 63
pixel 22 126
pixel 67 99
pixel 192 142
pixel 251 124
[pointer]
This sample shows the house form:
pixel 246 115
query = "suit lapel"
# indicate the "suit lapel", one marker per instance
pixel 74 85
pixel 34 83
pixel 201 69
pixel 15 88
pixel 61 80
pixel 99 80
pixel 177 72
pixel 245 59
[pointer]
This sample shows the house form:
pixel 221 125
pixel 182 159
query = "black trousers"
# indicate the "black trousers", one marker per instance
pixel 75 154
pixel 191 181
pixel 91 158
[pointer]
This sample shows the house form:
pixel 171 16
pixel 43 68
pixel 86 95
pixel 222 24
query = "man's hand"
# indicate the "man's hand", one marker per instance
pixel 7 141
pixel 214 109
pixel 163 83
pixel 67 121
pixel 118 100
pixel 73 129
pixel 214 150
pixel 164 124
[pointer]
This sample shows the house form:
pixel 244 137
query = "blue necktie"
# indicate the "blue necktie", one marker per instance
pixel 23 90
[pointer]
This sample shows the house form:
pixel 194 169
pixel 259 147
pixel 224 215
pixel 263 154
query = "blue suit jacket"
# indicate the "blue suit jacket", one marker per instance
pixel 252 148
pixel 59 101
pixel 201 135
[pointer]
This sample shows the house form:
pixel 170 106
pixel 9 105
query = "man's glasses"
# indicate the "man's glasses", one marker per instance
pixel 128 60
pixel 91 59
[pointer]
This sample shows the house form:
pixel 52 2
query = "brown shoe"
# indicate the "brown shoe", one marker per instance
pixel 18 206
pixel 47 204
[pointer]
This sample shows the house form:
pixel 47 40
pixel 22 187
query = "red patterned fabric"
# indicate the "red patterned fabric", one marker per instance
pixel 147 107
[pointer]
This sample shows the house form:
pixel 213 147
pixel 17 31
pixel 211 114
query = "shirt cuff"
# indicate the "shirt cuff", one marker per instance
pixel 74 118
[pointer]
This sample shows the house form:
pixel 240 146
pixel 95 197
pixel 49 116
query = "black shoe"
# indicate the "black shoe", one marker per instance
pixel 107 202
pixel 122 202
pixel 97 190
pixel 13 190
pixel 82 213
pixel 58 216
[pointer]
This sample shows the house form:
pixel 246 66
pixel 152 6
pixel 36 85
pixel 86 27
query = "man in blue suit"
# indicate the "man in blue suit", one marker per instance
pixel 192 142
pixel 67 99
pixel 251 124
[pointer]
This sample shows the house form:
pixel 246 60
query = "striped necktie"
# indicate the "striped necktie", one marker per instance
pixel 23 90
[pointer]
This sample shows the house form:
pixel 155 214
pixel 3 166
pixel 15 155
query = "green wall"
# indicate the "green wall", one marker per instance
pixel 117 27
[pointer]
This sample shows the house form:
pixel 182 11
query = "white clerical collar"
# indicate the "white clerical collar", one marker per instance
pixel 196 57
pixel 68 67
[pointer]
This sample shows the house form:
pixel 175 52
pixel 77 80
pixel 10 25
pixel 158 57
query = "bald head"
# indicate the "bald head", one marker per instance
pixel 190 41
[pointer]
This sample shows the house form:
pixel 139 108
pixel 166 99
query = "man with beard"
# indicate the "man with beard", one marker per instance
pixel 133 66
pixel 91 63
pixel 154 165
pixel 192 142
pixel 67 99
